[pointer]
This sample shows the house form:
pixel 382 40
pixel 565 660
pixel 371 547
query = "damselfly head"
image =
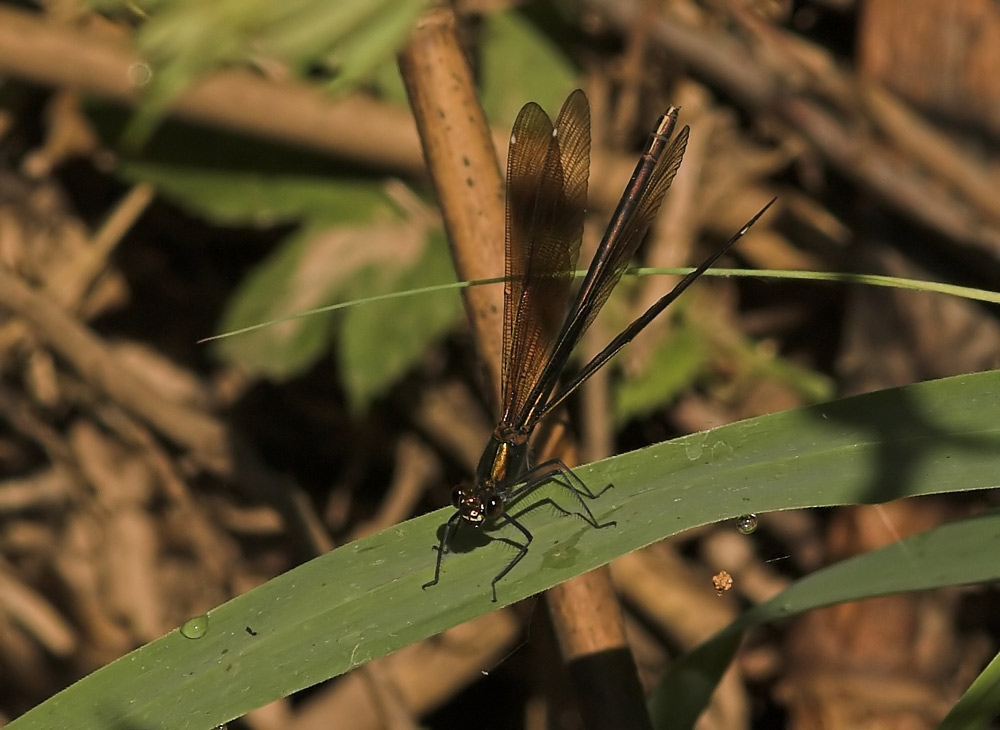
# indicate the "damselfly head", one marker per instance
pixel 475 504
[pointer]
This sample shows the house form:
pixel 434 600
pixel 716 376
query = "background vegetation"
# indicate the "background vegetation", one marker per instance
pixel 174 170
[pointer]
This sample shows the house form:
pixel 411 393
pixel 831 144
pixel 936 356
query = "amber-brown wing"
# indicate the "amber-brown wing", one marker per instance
pixel 625 244
pixel 547 174
pixel 640 322
pixel 639 205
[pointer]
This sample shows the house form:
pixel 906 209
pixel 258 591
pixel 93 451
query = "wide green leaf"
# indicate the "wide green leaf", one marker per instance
pixel 364 600
pixel 249 197
pixel 185 40
pixel 513 51
pixel 320 266
pixel 677 360
pixel 379 343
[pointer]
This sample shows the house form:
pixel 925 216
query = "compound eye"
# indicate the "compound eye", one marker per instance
pixel 457 495
pixel 493 507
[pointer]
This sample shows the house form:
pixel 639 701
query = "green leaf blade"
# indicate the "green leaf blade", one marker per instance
pixel 954 554
pixel 364 600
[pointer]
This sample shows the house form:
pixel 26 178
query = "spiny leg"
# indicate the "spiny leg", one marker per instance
pixel 522 551
pixel 449 530
pixel 561 468
pixel 565 477
pixel 537 476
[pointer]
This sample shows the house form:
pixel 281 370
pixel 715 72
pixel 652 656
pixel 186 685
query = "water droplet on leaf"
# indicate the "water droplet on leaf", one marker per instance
pixel 195 628
pixel 747 524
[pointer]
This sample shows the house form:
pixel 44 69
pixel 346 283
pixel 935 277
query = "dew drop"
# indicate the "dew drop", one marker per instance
pixel 140 74
pixel 747 524
pixel 693 450
pixel 195 628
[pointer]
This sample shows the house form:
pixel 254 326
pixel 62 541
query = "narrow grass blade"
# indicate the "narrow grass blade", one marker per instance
pixel 955 554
